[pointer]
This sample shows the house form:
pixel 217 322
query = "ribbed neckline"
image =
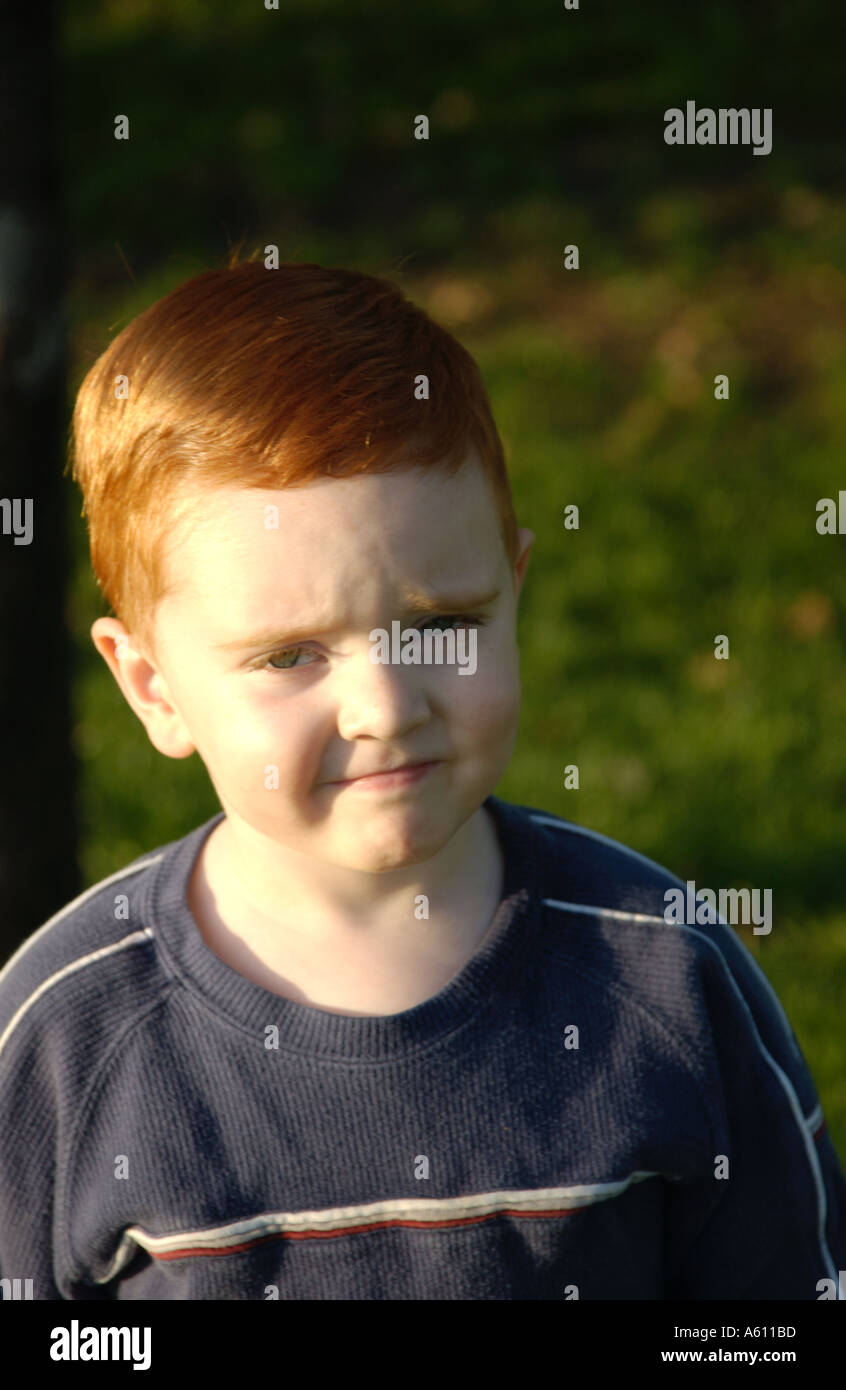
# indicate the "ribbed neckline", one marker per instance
pixel 316 1032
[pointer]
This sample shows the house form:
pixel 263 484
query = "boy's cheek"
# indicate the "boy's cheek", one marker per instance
pixel 490 707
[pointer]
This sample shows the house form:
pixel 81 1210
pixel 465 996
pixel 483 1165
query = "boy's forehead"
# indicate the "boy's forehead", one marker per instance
pixel 425 529
pixel 391 494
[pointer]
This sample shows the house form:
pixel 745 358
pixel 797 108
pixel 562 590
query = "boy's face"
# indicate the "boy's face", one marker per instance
pixel 280 720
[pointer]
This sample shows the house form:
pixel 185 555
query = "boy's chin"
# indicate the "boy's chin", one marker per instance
pixel 380 846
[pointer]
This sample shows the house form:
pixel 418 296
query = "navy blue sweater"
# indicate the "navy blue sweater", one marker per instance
pixel 599 1105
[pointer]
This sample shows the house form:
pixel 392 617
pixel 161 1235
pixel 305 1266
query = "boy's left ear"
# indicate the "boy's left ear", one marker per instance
pixel 526 539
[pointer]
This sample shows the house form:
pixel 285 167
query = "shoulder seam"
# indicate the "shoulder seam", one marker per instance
pixel 144 934
pixel 658 1022
pixel 717 918
pixel 812 1121
pixel 600 911
pixel 72 906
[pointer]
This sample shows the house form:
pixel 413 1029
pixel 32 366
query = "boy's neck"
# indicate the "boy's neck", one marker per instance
pixel 382 959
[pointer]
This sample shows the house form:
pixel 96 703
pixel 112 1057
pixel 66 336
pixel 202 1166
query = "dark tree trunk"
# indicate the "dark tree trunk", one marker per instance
pixel 38 819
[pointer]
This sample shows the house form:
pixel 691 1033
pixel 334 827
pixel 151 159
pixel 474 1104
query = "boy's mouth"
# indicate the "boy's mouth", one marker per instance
pixel 398 775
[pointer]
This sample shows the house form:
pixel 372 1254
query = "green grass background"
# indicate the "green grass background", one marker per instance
pixel 697 515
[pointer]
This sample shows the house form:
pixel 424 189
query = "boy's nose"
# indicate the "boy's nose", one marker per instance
pixel 384 701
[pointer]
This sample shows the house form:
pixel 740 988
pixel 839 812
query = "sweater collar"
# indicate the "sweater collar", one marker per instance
pixel 305 1029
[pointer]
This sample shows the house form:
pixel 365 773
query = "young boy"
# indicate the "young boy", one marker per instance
pixel 370 1032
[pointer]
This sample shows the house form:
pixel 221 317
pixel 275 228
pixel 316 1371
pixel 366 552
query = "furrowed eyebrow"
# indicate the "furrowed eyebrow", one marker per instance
pixel 418 605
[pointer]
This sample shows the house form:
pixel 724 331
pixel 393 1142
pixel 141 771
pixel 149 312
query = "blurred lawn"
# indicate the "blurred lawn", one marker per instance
pixel 697 515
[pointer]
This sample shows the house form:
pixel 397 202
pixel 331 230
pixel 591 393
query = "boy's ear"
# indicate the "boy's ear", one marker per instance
pixel 144 688
pixel 526 539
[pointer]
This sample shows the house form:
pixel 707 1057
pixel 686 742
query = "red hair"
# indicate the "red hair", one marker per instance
pixel 254 377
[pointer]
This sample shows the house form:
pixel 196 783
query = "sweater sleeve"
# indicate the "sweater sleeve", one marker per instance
pixel 34 1122
pixel 28 1125
pixel 768 1221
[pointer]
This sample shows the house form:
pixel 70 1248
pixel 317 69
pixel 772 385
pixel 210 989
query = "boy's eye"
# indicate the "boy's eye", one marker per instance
pixel 285 652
